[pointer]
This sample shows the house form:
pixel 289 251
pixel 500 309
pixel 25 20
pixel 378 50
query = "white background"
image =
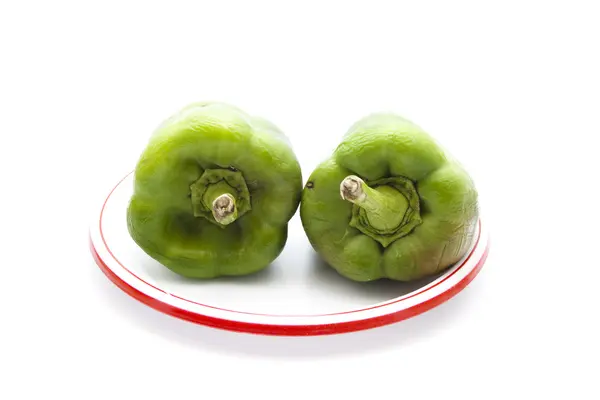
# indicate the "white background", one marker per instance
pixel 511 88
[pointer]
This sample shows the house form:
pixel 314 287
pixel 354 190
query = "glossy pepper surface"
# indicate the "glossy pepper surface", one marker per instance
pixel 214 190
pixel 389 203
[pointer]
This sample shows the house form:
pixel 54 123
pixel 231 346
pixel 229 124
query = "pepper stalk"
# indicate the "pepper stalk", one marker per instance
pixel 385 212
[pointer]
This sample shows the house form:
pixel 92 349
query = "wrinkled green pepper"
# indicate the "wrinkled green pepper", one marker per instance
pixel 389 203
pixel 214 190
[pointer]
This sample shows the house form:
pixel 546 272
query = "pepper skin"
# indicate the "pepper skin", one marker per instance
pixel 214 191
pixel 389 203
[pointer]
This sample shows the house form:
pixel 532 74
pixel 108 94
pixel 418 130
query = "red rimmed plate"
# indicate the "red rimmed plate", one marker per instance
pixel 298 295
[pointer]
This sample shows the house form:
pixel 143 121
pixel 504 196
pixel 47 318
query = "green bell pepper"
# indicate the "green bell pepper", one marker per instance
pixel 389 203
pixel 214 190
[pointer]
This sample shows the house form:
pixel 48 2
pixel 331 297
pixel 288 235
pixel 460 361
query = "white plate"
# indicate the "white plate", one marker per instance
pixel 297 294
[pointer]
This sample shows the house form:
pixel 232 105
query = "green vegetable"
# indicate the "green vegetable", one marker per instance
pixel 389 203
pixel 214 191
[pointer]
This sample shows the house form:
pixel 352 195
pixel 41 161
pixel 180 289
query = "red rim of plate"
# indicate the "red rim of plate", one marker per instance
pixel 285 329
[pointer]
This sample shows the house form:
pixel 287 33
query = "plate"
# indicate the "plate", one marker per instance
pixel 297 295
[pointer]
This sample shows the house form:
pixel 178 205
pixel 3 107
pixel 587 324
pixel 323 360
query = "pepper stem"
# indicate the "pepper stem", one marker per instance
pixel 224 210
pixel 220 199
pixel 384 206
